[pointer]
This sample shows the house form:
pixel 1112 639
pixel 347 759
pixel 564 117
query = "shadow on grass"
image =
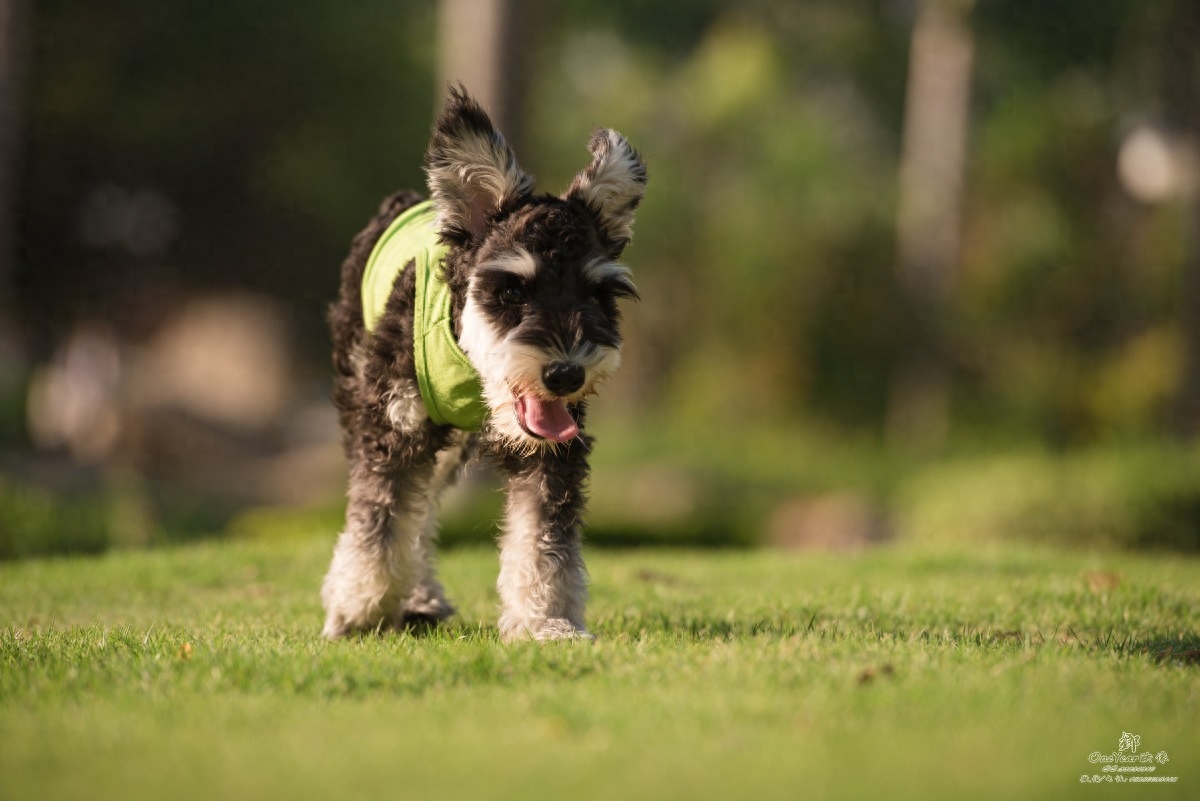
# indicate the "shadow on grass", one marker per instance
pixel 1161 647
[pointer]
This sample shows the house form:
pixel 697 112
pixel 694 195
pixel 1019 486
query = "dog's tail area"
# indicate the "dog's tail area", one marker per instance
pixel 345 314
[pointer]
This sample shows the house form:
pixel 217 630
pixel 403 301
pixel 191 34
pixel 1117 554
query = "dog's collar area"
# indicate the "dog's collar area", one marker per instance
pixel 449 383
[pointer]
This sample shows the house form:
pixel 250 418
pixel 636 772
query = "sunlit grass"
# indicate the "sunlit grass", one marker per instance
pixel 197 673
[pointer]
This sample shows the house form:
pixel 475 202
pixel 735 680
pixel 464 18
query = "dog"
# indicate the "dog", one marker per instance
pixel 476 324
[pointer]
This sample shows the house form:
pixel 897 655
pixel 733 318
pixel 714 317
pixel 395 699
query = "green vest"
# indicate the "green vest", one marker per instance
pixel 449 384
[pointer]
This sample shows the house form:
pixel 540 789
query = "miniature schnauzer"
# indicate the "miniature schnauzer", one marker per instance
pixel 476 322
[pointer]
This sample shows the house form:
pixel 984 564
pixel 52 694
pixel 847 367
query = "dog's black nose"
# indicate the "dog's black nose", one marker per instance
pixel 563 378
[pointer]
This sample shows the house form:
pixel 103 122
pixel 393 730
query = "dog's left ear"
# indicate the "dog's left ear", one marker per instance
pixel 472 171
pixel 611 187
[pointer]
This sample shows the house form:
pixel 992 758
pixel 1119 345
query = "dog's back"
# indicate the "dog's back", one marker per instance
pixel 345 314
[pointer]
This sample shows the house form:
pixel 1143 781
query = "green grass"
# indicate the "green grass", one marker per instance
pixel 197 673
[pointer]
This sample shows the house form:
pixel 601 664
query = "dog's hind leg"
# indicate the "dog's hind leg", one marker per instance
pixel 543 582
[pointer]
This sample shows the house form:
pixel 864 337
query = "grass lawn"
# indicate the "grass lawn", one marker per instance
pixel 197 672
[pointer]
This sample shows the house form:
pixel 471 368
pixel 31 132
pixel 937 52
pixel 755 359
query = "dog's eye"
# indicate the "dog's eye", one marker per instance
pixel 512 294
pixel 608 292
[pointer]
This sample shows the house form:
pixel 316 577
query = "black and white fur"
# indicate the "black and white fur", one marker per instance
pixel 535 283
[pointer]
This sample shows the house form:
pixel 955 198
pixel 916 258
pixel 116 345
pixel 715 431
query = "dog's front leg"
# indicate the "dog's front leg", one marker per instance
pixel 379 559
pixel 543 582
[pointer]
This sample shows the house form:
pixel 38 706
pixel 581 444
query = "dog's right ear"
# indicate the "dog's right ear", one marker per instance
pixel 472 171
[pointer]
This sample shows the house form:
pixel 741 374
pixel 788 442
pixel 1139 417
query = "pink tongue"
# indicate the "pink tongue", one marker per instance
pixel 548 419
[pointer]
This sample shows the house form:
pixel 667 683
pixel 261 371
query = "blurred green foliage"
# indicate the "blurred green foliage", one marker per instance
pixel 95 515
pixel 647 491
pixel 1117 497
pixel 659 491
pixel 759 363
pixel 772 131
pixel 34 522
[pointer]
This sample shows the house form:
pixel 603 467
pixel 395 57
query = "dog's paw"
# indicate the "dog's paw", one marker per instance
pixel 336 628
pixel 339 625
pixel 543 630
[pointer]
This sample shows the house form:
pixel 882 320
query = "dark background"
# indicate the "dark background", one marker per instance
pixel 910 268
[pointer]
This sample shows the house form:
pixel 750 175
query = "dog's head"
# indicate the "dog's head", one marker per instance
pixel 535 278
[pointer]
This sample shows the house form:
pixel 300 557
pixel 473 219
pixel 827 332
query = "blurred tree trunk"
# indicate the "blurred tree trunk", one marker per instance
pixel 14 50
pixel 928 214
pixel 1181 100
pixel 487 45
